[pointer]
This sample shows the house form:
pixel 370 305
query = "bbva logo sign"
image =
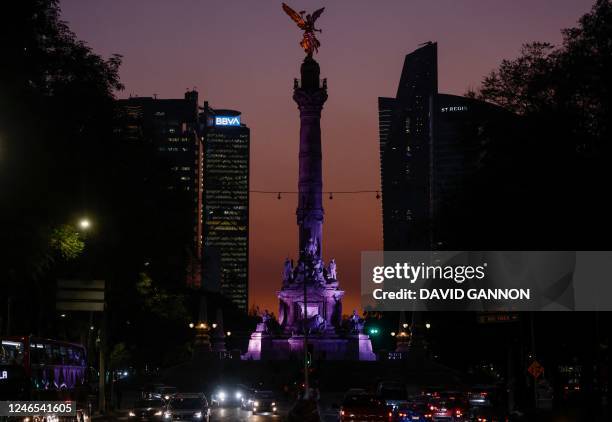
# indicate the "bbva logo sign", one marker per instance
pixel 227 121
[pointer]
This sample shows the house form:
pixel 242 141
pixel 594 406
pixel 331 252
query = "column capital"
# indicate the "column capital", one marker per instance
pixel 310 102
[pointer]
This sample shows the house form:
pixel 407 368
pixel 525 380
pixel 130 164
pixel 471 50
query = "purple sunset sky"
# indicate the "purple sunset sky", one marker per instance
pixel 244 55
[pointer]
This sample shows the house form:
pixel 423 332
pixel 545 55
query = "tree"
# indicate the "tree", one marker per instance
pixel 543 187
pixel 573 81
pixel 158 301
pixel 56 112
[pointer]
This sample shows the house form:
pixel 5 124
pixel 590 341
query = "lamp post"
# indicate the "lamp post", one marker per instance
pixel 305 318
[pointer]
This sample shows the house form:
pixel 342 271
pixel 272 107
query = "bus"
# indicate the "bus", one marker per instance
pixel 34 368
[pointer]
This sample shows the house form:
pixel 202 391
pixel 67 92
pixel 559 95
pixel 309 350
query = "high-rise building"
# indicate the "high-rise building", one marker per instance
pixel 226 204
pixel 430 145
pixel 171 127
pixel 385 116
pixel 206 152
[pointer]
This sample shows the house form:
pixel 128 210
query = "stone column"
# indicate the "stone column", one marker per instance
pixel 310 96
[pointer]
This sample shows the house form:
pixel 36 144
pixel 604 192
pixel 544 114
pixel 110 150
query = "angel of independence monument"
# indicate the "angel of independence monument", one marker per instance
pixel 310 299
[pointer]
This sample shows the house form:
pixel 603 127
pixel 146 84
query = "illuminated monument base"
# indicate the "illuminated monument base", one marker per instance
pixel 263 346
pixel 310 282
pixel 327 337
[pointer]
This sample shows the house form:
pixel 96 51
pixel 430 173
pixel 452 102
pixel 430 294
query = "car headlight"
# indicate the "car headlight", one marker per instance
pixel 168 415
pixel 273 404
pixel 197 415
pixel 167 397
pixel 238 395
pixel 255 403
pixel 131 414
pixel 158 413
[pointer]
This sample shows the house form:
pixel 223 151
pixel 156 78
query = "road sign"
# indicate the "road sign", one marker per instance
pixel 497 317
pixel 535 369
pixel 80 295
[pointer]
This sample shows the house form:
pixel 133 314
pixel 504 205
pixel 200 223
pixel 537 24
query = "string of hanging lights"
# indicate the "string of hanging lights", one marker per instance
pixel 279 194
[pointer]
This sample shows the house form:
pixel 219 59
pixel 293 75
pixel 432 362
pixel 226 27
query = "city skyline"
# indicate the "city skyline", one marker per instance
pixel 260 65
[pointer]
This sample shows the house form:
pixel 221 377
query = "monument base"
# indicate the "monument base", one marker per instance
pixel 356 347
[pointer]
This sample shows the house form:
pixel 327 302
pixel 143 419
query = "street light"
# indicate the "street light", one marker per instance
pixel 191 325
pixel 214 325
pixel 405 325
pixel 229 333
pixel 84 223
pixel 427 325
pixel 392 333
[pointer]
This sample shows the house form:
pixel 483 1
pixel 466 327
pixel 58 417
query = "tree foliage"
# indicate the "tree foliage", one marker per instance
pixel 66 241
pixel 159 302
pixel 572 82
pixel 119 356
pixel 541 185
pixel 54 115
pixel 61 159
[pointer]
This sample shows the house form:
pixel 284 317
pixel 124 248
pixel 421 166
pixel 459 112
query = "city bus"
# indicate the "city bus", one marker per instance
pixel 34 368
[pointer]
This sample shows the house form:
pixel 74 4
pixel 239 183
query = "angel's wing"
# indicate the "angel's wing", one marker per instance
pixel 317 13
pixel 295 16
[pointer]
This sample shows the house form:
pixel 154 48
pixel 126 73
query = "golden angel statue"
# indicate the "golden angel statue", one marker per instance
pixel 309 42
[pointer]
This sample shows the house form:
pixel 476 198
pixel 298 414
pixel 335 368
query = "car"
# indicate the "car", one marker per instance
pixel 147 410
pixel 187 407
pixel 165 392
pixel 353 391
pixel 449 408
pixel 263 402
pixel 413 412
pixel 363 406
pixel 158 392
pixel 487 414
pixel 392 392
pixel 246 402
pixel 227 396
pixel 148 390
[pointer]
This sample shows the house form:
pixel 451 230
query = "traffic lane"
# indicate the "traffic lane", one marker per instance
pixel 221 415
pixel 239 415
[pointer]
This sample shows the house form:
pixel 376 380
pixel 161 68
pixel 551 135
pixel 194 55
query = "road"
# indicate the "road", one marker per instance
pixel 221 415
pixel 239 415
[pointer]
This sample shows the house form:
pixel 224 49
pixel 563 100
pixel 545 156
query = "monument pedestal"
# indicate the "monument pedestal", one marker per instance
pixel 353 347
